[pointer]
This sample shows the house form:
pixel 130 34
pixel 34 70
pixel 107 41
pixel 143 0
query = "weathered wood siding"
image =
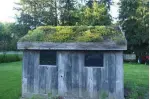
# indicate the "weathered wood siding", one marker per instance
pixel 48 80
pixel 106 45
pixel 30 72
pixel 37 78
pixel 71 79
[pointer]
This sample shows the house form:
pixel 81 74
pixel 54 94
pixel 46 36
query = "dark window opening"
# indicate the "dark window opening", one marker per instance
pixel 93 59
pixel 47 57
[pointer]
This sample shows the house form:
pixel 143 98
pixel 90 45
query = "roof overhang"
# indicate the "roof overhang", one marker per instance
pixel 70 46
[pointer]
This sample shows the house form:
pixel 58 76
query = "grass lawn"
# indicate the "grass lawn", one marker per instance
pixel 10 80
pixel 136 80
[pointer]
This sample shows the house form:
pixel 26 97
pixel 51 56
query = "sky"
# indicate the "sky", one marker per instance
pixel 7 14
pixel 114 10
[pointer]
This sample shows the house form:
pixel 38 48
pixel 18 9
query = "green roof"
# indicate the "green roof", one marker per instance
pixel 74 34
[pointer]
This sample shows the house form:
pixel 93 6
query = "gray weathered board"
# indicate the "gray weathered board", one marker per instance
pixel 107 45
pixel 71 79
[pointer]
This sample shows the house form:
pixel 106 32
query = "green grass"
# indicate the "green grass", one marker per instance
pixel 136 80
pixel 10 80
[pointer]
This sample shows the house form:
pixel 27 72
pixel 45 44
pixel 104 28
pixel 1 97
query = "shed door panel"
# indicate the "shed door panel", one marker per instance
pixel 48 80
pixel 78 83
pixel 30 72
pixel 64 73
pixel 74 79
pixel 70 70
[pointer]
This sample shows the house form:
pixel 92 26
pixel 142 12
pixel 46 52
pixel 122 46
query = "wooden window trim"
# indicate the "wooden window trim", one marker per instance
pixel 92 66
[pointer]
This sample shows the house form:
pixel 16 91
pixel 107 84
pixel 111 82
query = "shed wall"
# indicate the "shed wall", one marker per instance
pixel 71 79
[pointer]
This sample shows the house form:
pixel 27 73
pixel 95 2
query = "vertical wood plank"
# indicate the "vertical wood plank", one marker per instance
pixel 55 81
pixel 90 81
pixel 97 82
pixel 36 71
pixel 112 71
pixel 64 75
pixel 104 75
pixel 24 72
pixel 52 80
pixel 75 74
pixel 62 89
pixel 84 76
pixel 68 68
pixel 42 80
pixel 119 75
pixel 81 76
pixel 93 82
pixel 30 72
pixel 48 79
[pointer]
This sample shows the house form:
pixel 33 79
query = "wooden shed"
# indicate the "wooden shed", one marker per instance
pixel 73 63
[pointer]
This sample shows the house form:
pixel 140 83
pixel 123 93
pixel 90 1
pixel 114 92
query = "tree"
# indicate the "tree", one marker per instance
pixel 134 16
pixel 67 8
pixel 37 12
pixel 106 2
pixel 10 33
pixel 46 12
pixel 2 37
pixel 62 12
pixel 97 14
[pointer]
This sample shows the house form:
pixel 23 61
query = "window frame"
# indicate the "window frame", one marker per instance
pixel 93 65
pixel 47 65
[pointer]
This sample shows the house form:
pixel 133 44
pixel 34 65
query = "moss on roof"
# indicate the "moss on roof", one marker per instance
pixel 74 34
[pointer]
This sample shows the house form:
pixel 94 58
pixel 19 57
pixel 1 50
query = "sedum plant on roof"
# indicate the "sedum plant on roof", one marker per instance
pixel 74 34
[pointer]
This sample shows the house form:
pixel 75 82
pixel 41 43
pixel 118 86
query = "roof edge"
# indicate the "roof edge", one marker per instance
pixel 70 46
